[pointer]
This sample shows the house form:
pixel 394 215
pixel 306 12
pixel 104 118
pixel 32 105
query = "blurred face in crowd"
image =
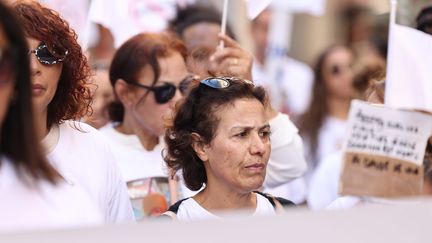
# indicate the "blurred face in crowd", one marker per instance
pixel 201 34
pixel 260 29
pixel 44 78
pixel 146 109
pixel 103 94
pixel 238 154
pixel 6 77
pixel 338 74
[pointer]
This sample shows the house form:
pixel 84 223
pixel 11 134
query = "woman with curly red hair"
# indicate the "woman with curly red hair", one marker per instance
pixel 59 73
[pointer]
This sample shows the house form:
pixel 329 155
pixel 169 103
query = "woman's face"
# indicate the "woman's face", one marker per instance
pixel 146 111
pixel 6 77
pixel 238 154
pixel 338 74
pixel 44 79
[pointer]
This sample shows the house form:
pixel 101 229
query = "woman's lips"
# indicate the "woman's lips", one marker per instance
pixel 256 167
pixel 37 89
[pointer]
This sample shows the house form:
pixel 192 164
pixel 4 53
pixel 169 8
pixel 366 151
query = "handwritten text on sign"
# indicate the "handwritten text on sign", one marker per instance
pixel 388 132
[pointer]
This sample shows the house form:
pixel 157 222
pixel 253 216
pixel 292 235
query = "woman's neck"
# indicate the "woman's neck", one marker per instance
pixel 215 199
pixel 40 121
pixel 338 107
pixel 147 139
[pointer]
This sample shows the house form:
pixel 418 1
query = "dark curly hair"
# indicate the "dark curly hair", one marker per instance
pixel 72 98
pixel 134 55
pixel 196 114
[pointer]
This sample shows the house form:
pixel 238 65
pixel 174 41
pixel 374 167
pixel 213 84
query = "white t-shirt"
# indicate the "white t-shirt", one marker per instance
pixel 298 79
pixel 324 184
pixel 145 172
pixel 190 210
pixel 330 140
pixel 83 158
pixel 28 205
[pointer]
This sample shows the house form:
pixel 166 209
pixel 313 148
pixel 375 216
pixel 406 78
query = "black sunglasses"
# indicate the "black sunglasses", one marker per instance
pixel 164 93
pixel 6 65
pixel 222 82
pixel 47 57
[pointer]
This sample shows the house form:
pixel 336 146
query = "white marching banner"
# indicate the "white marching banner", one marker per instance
pixel 409 68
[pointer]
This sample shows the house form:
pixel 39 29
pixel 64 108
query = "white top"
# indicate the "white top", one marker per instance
pixel 145 173
pixel 324 184
pixel 28 205
pixel 286 158
pixel 84 159
pixel 330 140
pixel 190 210
pixel 298 79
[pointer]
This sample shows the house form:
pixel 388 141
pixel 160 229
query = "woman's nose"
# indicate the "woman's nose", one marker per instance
pixel 258 145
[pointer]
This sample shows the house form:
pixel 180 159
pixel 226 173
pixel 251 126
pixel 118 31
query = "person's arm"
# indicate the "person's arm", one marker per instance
pixel 286 159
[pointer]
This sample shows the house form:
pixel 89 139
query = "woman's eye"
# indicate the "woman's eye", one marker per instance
pixel 265 134
pixel 242 134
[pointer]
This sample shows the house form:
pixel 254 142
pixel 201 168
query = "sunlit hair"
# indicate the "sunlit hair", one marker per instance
pixel 72 98
pixel 311 121
pixel 136 53
pixel 377 87
pixel 18 140
pixel 196 113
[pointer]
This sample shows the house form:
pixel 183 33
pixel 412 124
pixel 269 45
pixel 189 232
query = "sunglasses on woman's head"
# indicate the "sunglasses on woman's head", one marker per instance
pixel 222 82
pixel 165 92
pixel 47 57
pixel 6 66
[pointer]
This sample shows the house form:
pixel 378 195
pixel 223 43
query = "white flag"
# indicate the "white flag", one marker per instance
pixel 409 69
pixel 255 7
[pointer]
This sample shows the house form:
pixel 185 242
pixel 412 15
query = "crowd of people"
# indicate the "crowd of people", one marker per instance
pixel 172 126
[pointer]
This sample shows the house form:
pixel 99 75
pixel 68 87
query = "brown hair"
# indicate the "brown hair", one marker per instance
pixel 311 121
pixel 135 54
pixel 72 98
pixel 196 114
pixel 18 140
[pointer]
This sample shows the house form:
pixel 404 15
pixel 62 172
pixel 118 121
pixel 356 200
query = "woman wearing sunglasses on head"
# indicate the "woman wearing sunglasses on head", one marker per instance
pixel 148 74
pixel 32 193
pixel 59 72
pixel 219 139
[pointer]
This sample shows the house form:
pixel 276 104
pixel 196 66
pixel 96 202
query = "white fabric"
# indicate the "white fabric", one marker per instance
pixel 190 210
pixel 297 81
pixel 126 18
pixel 324 184
pixel 409 72
pixel 138 165
pixel 347 202
pixel 42 205
pixel 330 140
pixel 133 160
pixel 286 158
pixel 84 159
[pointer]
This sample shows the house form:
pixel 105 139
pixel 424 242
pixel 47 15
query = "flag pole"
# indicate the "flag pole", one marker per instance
pixel 393 11
pixel 392 22
pixel 224 22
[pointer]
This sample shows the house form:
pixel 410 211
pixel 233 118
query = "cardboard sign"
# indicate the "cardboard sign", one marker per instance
pixel 384 151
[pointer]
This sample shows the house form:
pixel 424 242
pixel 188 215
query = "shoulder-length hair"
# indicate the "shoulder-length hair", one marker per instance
pixel 72 98
pixel 136 53
pixel 311 121
pixel 18 140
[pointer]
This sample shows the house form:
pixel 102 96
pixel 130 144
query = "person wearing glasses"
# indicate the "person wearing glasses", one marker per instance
pixel 219 140
pixel 61 97
pixel 33 195
pixel 149 75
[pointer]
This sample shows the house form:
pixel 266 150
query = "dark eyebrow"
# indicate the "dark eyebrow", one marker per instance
pixel 251 128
